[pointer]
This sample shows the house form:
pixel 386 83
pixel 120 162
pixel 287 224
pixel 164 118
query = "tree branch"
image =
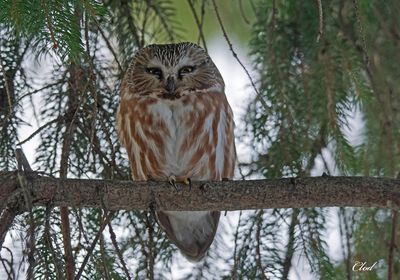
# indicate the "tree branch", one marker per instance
pixel 223 195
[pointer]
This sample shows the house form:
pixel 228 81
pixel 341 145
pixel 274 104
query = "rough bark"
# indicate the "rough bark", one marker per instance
pixel 224 195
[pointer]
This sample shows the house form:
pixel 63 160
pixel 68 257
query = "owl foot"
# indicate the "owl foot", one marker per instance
pixel 184 180
pixel 172 182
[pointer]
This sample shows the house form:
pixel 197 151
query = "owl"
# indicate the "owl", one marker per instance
pixel 176 123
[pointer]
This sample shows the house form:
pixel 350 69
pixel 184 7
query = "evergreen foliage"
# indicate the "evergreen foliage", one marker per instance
pixel 318 64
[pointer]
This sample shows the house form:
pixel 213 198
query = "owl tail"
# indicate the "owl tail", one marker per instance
pixel 191 231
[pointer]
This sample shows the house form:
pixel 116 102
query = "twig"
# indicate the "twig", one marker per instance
pixel 254 8
pixel 100 153
pixel 9 261
pixel 258 245
pixel 114 242
pixel 23 165
pixel 48 240
pixel 105 221
pixel 273 20
pixel 127 13
pixel 287 263
pixel 104 263
pixel 198 23
pixel 92 90
pixel 138 231
pixel 66 233
pixel 8 92
pixel 40 129
pixel 119 253
pixel 40 89
pixel 259 96
pixel 242 12
pixel 235 253
pixel 49 25
pixel 203 12
pixel 320 20
pixel 73 106
pixel 346 236
pixel 304 242
pixel 362 33
pixel 150 245
pixel 110 47
pixel 146 18
pixel 164 22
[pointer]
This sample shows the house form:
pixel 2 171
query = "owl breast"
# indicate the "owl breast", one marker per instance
pixel 190 136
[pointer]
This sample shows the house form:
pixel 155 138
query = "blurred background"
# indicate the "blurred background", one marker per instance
pixel 313 86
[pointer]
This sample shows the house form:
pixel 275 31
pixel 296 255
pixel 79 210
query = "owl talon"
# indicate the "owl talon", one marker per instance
pixel 187 181
pixel 190 184
pixel 172 182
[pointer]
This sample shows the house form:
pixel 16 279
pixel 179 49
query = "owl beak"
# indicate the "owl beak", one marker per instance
pixel 170 86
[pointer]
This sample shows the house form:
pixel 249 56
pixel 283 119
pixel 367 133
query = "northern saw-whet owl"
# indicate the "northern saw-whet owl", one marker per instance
pixel 175 122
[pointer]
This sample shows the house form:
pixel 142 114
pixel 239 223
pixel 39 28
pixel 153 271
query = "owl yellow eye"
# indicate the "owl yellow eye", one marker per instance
pixel 155 71
pixel 186 70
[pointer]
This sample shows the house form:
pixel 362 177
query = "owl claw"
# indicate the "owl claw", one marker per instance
pixel 184 180
pixel 172 182
pixel 187 181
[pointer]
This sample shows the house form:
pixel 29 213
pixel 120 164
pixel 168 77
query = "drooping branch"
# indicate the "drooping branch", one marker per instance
pixel 226 195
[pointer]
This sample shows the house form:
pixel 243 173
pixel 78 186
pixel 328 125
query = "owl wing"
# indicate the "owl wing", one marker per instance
pixel 142 134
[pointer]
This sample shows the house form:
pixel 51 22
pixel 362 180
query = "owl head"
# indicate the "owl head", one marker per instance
pixel 171 71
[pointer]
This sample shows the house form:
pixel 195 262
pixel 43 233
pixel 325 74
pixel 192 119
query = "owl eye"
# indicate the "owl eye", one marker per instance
pixel 155 71
pixel 186 70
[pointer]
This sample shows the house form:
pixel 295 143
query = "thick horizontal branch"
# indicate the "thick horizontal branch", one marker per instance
pixel 225 195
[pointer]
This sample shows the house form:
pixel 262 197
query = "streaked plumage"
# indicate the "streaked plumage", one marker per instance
pixel 174 120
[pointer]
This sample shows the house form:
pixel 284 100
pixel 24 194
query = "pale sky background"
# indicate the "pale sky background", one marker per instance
pixel 239 93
